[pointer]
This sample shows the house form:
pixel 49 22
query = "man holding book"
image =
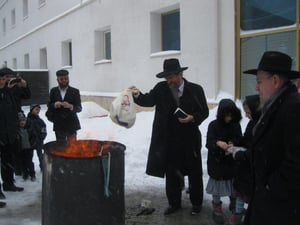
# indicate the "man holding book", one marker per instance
pixel 180 107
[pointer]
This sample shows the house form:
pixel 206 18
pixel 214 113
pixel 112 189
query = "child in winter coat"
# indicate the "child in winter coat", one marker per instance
pixel 26 138
pixel 242 180
pixel 40 129
pixel 223 132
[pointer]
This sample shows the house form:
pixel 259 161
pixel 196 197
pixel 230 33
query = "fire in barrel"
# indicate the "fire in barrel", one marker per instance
pixel 83 183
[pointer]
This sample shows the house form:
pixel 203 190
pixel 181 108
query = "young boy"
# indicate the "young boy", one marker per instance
pixel 26 140
pixel 40 129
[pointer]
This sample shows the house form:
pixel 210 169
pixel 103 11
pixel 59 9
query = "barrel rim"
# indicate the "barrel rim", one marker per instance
pixel 49 146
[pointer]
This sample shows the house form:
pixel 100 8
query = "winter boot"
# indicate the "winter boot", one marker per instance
pixel 232 204
pixel 218 216
pixel 236 219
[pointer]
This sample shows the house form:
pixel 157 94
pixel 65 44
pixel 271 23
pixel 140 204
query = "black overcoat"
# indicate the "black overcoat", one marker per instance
pixel 8 116
pixel 65 120
pixel 221 166
pixel 172 142
pixel 276 162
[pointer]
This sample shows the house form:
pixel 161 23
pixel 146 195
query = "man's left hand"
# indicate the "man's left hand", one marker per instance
pixel 187 119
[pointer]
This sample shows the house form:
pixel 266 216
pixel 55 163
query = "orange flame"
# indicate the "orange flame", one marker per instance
pixel 82 149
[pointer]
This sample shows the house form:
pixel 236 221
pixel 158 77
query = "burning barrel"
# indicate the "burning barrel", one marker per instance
pixel 83 183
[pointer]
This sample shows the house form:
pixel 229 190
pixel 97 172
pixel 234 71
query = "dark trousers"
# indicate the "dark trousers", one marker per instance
pixel 39 152
pixel 27 164
pixel 17 158
pixel 175 185
pixel 64 136
pixel 7 164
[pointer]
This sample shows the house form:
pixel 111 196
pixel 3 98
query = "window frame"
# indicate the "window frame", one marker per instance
pixel 67 54
pixel 172 12
pixel 25 9
pixel 256 33
pixel 13 18
pixel 101 47
pixel 4 28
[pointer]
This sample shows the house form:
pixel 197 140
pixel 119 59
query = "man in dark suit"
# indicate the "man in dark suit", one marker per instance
pixel 63 106
pixel 176 140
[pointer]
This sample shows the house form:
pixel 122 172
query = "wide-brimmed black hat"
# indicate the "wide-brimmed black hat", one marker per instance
pixel 171 66
pixel 276 62
pixel 6 71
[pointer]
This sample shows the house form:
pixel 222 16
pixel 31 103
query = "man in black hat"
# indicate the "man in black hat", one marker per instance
pixel 275 145
pixel 63 106
pixel 176 140
pixel 8 132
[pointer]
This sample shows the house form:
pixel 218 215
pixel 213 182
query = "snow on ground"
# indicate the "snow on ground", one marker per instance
pixel 23 208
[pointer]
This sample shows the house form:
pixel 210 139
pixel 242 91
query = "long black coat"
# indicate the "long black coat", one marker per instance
pixel 65 119
pixel 172 142
pixel 219 165
pixel 8 116
pixel 21 93
pixel 276 162
pixel 40 128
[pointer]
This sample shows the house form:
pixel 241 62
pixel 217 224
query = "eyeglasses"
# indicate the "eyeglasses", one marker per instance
pixel 261 79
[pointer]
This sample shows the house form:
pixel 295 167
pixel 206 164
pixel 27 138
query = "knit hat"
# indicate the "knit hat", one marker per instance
pixel 34 106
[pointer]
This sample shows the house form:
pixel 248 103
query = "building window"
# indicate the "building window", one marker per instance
pixel 14 63
pixel 107 45
pixel 25 9
pixel 165 29
pixel 43 58
pixel 4 26
pixel 13 18
pixel 26 61
pixel 67 53
pixel 267 14
pixel 170 27
pixel 267 25
pixel 102 45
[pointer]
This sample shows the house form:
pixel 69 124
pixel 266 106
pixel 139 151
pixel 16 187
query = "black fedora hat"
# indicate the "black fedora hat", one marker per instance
pixel 171 66
pixel 276 62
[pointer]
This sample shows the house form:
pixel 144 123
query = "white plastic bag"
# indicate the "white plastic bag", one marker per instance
pixel 122 109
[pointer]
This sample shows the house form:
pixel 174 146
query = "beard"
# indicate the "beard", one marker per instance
pixel 63 85
pixel 262 101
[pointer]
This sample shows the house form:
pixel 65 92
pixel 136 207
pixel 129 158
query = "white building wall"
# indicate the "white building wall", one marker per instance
pixel 207 41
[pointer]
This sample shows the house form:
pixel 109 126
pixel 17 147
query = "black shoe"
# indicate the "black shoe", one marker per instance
pixel 2 196
pixel 12 187
pixel 196 209
pixel 2 204
pixel 171 209
pixel 25 177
